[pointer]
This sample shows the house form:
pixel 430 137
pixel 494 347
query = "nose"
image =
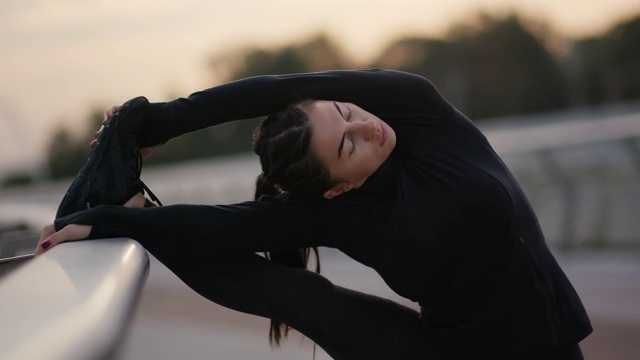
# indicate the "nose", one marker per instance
pixel 365 129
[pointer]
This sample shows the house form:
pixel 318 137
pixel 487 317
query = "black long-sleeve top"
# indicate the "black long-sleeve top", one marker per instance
pixel 442 221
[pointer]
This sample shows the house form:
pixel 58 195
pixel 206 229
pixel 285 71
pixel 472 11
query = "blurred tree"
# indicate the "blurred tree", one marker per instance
pixel 585 71
pixel 16 179
pixel 66 153
pixel 64 156
pixel 624 60
pixel 605 69
pixel 489 67
pixel 511 72
pixel 316 54
pixel 442 62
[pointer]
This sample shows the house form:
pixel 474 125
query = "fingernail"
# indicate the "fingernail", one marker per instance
pixel 45 244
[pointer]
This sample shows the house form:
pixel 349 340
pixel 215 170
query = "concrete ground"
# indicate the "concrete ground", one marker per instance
pixel 172 322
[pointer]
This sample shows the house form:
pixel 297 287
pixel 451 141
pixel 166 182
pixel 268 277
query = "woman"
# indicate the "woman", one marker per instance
pixel 379 165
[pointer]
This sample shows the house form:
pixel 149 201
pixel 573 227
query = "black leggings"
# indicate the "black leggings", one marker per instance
pixel 347 324
pixel 573 354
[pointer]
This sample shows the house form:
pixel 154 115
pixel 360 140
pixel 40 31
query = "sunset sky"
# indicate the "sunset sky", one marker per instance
pixel 60 58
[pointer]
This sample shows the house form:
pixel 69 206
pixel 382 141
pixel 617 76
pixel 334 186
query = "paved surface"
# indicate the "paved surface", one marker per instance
pixel 173 322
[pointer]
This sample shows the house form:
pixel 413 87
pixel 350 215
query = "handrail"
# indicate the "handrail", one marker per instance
pixel 74 302
pixel 563 134
pixel 7 265
pixel 545 142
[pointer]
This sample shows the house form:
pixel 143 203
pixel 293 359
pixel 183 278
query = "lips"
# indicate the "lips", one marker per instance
pixel 383 134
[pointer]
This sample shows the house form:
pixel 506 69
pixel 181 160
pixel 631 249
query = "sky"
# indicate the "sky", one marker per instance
pixel 61 58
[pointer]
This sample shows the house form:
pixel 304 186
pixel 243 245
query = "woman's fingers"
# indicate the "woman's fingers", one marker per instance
pixel 94 142
pixel 97 134
pixel 50 238
pixel 47 231
pixel 44 243
pixel 108 114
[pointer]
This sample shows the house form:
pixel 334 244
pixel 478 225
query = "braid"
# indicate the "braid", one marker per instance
pixel 265 187
pixel 282 141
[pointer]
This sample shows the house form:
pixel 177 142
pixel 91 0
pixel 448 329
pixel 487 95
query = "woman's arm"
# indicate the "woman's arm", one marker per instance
pixel 208 230
pixel 383 92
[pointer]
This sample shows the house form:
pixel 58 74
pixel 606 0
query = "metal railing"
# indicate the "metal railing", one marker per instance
pixel 601 153
pixel 73 302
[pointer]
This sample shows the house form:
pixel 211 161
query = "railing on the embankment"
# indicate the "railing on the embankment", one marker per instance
pixel 582 175
pixel 74 302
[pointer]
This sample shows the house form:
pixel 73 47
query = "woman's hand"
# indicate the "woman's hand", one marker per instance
pixel 145 152
pixel 106 116
pixel 50 237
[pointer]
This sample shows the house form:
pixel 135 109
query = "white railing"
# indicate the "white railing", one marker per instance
pixel 569 156
pixel 73 302
pixel 564 134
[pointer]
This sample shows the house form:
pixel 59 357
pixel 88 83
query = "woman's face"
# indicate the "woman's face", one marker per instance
pixel 349 141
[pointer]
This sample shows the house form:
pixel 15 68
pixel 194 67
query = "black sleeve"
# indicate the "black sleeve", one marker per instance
pixel 386 93
pixel 239 228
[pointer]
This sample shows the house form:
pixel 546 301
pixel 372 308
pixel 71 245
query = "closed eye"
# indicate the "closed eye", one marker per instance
pixel 351 138
pixel 341 145
pixel 344 135
pixel 353 145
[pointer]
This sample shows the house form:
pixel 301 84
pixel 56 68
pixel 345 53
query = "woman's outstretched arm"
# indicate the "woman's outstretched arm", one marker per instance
pixel 383 92
pixel 213 230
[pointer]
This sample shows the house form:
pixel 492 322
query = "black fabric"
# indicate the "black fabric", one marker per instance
pixel 442 221
pixel 346 323
pixel 574 353
pixel 111 173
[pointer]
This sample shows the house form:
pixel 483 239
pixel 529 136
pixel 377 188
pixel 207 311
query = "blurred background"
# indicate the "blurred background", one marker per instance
pixel 554 84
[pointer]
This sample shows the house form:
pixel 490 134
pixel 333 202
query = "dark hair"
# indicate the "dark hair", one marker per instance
pixel 289 169
pixel 283 143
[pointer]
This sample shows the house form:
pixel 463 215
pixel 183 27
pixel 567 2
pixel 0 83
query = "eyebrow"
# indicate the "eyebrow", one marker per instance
pixel 343 134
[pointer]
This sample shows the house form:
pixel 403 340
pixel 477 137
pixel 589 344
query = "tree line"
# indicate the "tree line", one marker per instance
pixel 487 67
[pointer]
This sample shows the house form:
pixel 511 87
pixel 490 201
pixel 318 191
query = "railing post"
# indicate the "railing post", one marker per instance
pixel 570 198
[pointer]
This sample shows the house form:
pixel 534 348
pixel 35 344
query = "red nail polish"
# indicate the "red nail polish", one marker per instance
pixel 45 244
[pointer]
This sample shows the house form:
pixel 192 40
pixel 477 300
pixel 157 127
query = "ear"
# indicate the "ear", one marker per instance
pixel 337 190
